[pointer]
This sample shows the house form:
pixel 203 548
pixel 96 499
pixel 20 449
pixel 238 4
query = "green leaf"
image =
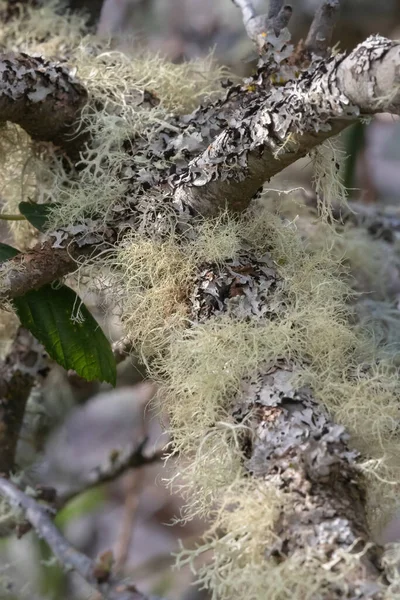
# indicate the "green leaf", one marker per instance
pixel 72 337
pixel 36 214
pixel 7 252
pixel 84 503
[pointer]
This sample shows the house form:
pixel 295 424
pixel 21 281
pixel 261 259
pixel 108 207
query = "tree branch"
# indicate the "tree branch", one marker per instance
pixel 258 26
pixel 320 34
pixel 41 97
pixel 95 573
pixel 39 266
pixel 309 457
pixel 295 447
pixel 273 129
pixel 130 458
pixel 23 364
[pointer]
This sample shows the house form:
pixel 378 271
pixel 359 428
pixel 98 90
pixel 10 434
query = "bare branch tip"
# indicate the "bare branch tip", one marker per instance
pixel 321 29
pixel 282 19
pixel 275 6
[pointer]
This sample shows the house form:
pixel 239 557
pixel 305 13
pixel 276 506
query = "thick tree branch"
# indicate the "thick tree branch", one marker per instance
pixel 271 129
pixel 41 97
pixel 95 573
pixel 309 458
pixel 294 446
pixel 19 371
pixel 274 129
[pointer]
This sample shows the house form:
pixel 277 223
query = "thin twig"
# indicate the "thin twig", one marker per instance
pixel 4 217
pixel 24 365
pixel 321 30
pixel 257 26
pixel 70 558
pixel 133 484
pixel 133 458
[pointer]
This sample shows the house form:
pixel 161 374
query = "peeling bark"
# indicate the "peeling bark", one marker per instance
pixel 274 128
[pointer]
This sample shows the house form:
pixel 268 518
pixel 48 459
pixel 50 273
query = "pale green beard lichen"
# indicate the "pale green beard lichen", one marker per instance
pixel 328 160
pixel 200 369
pixel 112 116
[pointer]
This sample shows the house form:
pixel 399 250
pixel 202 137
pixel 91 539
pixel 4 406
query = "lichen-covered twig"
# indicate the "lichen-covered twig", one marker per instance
pixel 37 267
pixel 320 34
pixel 285 123
pixel 296 449
pixel 273 127
pixel 43 98
pixel 95 573
pixel 19 371
pixel 258 26
pixel 117 465
pixel 312 460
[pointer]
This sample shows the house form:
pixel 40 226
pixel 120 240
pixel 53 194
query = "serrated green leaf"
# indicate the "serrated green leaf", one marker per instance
pixel 72 337
pixel 7 252
pixel 36 214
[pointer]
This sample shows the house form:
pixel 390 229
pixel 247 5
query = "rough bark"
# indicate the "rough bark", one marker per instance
pixel 274 128
pixel 24 363
pixel 294 445
pixel 42 97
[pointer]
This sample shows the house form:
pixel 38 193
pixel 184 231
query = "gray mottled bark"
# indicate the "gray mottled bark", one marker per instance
pixel 294 445
pixel 275 128
pixel 42 97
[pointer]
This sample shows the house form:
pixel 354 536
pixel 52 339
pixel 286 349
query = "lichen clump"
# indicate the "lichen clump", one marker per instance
pixel 200 367
pixel 117 113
